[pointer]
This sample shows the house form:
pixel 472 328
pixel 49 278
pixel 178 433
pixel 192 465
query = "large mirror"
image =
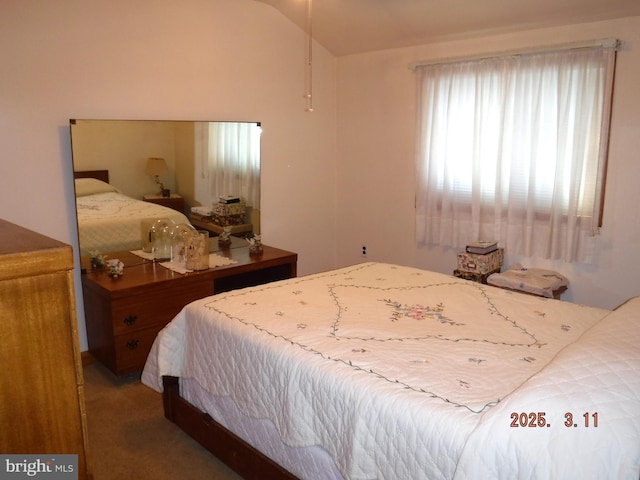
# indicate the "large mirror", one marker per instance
pixel 205 173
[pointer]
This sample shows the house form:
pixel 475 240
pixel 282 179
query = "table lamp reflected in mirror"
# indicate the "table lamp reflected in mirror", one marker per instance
pixel 157 167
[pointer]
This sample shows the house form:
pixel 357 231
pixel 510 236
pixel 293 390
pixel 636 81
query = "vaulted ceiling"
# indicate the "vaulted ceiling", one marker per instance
pixel 354 26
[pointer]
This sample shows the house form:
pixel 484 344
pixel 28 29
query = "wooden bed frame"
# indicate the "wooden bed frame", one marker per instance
pixel 241 457
pixel 99 174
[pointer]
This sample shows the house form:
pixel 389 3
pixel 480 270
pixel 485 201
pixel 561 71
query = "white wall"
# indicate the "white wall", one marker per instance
pixel 376 112
pixel 165 59
pixel 323 194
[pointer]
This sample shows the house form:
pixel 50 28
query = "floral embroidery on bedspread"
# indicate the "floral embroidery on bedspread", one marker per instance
pixel 106 205
pixel 419 312
pixel 464 343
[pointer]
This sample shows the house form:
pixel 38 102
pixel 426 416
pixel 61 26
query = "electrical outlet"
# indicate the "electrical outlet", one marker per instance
pixel 364 250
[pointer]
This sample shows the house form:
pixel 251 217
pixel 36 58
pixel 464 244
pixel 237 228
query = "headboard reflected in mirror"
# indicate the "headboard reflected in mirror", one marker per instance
pixel 126 168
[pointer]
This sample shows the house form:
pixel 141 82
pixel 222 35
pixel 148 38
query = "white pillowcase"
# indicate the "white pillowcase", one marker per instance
pixel 91 186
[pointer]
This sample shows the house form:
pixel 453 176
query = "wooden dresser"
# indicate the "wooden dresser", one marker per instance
pixel 42 408
pixel 124 315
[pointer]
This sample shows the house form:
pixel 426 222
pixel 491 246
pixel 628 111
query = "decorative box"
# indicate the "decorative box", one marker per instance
pixel 226 209
pixel 482 264
pixel 476 277
pixel 227 214
pixel 228 220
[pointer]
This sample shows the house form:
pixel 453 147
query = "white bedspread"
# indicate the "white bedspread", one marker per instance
pixel 390 369
pixel 597 377
pixel 109 222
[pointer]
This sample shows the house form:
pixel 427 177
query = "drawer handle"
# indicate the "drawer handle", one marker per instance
pixel 133 344
pixel 130 320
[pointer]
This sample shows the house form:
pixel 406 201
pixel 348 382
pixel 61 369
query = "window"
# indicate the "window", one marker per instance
pixel 228 159
pixel 514 149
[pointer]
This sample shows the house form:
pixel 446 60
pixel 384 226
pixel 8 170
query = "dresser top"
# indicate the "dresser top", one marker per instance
pixel 25 253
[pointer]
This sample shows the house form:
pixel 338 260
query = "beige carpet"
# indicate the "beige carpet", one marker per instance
pixel 130 438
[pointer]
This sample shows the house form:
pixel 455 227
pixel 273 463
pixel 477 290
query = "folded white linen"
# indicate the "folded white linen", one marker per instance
pixel 202 210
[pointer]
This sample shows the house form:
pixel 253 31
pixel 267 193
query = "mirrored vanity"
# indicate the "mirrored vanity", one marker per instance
pixel 183 165
pixel 205 175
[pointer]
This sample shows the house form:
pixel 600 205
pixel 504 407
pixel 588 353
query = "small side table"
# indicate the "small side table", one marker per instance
pixel 175 201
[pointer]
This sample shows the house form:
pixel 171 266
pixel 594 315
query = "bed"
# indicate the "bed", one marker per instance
pixel 381 371
pixel 108 220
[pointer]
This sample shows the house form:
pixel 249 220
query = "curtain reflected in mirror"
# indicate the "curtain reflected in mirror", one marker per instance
pixel 228 159
pixel 196 170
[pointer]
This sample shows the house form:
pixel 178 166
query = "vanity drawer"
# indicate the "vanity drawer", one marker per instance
pixel 131 350
pixel 156 307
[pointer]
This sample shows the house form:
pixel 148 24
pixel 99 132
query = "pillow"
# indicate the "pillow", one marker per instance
pixel 91 186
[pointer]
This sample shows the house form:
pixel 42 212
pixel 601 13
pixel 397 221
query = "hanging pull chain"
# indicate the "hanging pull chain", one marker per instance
pixel 309 61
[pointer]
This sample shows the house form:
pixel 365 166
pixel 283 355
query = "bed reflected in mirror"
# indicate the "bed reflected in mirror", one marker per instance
pixel 203 173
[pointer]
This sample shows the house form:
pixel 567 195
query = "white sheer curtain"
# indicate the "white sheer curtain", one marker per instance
pixel 228 155
pixel 514 149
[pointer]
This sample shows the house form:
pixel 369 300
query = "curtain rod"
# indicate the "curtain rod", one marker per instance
pixel 605 43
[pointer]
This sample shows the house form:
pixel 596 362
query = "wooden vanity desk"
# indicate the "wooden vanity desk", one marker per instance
pixel 124 315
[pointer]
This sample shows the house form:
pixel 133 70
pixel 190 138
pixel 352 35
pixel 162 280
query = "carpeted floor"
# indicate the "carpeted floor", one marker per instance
pixel 130 438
